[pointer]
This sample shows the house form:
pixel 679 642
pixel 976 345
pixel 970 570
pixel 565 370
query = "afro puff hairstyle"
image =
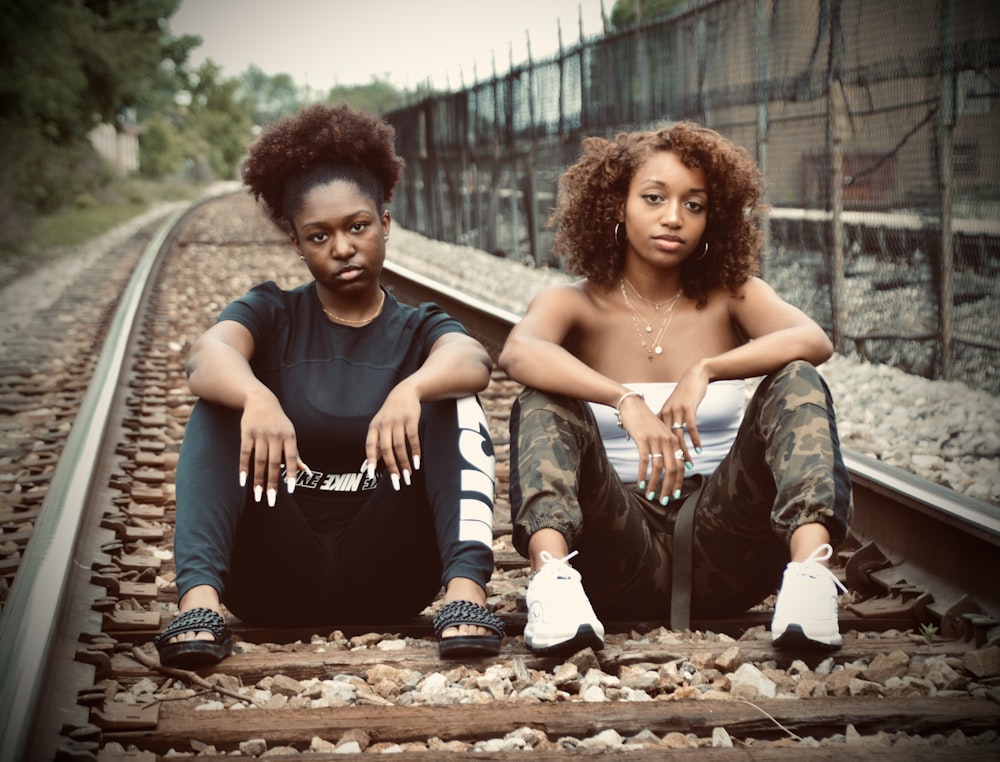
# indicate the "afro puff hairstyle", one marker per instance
pixel 320 144
pixel 593 190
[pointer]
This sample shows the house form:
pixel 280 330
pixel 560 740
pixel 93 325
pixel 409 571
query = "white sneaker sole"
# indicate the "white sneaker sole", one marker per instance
pixel 585 637
pixel 795 639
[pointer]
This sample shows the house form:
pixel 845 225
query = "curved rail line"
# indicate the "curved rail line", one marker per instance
pixel 37 599
pixel 916 541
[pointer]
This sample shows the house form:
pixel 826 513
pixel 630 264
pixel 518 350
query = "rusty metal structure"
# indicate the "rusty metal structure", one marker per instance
pixel 873 120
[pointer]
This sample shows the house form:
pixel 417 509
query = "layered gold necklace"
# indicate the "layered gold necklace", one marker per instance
pixel 643 327
pixel 364 320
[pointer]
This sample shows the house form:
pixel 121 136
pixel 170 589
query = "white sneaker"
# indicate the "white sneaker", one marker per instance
pixel 560 617
pixel 805 613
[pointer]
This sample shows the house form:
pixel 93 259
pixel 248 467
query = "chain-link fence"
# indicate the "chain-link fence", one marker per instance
pixel 873 120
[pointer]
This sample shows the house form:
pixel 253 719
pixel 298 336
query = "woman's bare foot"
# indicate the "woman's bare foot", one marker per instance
pixel 198 597
pixel 464 589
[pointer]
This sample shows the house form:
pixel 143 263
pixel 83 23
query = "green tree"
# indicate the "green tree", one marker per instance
pixel 126 48
pixel 202 133
pixel 221 117
pixel 379 96
pixel 161 147
pixel 272 96
pixel 68 65
pixel 626 12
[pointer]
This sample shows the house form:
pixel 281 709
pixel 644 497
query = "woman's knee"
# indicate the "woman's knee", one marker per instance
pixel 797 376
pixel 796 384
pixel 538 416
pixel 212 434
pixel 531 400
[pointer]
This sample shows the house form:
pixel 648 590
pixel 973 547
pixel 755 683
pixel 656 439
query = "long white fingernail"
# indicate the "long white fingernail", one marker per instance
pixel 257 492
pixel 243 478
pixel 305 468
pixel 395 481
pixel 272 496
pixel 364 465
pixel 416 462
pixel 406 476
pixel 290 484
pixel 371 470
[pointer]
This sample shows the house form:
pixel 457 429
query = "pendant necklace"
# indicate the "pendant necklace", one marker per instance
pixel 368 319
pixel 644 327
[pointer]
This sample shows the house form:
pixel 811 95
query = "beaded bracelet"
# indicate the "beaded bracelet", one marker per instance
pixel 618 407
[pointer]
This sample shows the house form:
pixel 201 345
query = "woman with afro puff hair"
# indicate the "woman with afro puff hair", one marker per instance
pixel 337 467
pixel 632 443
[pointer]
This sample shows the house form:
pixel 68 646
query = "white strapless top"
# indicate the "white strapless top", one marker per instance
pixel 719 416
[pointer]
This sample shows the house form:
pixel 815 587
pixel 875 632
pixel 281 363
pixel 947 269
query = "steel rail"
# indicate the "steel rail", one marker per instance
pixel 37 597
pixel 973 516
pixel 938 539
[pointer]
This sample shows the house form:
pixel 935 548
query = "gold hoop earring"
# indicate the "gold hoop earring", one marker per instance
pixel 621 243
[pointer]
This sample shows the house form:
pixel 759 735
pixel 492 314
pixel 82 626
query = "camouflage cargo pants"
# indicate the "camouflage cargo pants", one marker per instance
pixel 784 470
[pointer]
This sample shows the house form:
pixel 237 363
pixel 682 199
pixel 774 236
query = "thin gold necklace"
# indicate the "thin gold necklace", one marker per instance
pixel 368 319
pixel 656 305
pixel 654 347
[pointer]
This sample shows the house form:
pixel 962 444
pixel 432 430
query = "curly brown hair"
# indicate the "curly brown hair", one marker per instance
pixel 320 144
pixel 593 190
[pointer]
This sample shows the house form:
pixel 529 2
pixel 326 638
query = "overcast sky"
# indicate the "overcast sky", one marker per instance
pixel 326 42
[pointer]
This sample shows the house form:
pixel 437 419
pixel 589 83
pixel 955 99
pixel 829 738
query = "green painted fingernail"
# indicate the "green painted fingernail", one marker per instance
pixel 664 500
pixel 688 465
pixel 642 484
pixel 651 495
pixel 677 494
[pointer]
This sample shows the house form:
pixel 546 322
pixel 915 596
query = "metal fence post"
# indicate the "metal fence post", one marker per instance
pixel 946 127
pixel 836 129
pixel 763 95
pixel 531 200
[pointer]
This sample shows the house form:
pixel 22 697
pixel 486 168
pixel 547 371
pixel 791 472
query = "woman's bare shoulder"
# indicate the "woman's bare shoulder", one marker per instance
pixel 578 297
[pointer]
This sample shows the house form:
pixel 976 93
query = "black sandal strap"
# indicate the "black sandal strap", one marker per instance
pixel 195 620
pixel 457 613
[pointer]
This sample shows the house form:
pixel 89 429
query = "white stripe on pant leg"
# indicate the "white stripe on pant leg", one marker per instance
pixel 476 523
pixel 478 474
pixel 477 481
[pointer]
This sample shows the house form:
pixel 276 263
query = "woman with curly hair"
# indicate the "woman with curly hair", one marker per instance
pixel 333 374
pixel 631 443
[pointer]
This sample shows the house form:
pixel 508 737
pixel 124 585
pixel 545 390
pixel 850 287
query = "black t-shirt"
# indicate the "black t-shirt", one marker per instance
pixel 331 379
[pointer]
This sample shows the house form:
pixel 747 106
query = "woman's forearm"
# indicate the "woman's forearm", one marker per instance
pixel 219 373
pixel 551 368
pixel 768 353
pixel 455 368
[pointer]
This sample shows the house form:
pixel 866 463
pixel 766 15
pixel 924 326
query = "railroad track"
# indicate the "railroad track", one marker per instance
pixel 89 510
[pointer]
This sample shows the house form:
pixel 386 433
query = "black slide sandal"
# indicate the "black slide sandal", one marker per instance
pixel 191 654
pixel 465 612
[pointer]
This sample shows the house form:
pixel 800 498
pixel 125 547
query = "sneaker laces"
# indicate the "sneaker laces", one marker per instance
pixel 822 553
pixel 558 566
